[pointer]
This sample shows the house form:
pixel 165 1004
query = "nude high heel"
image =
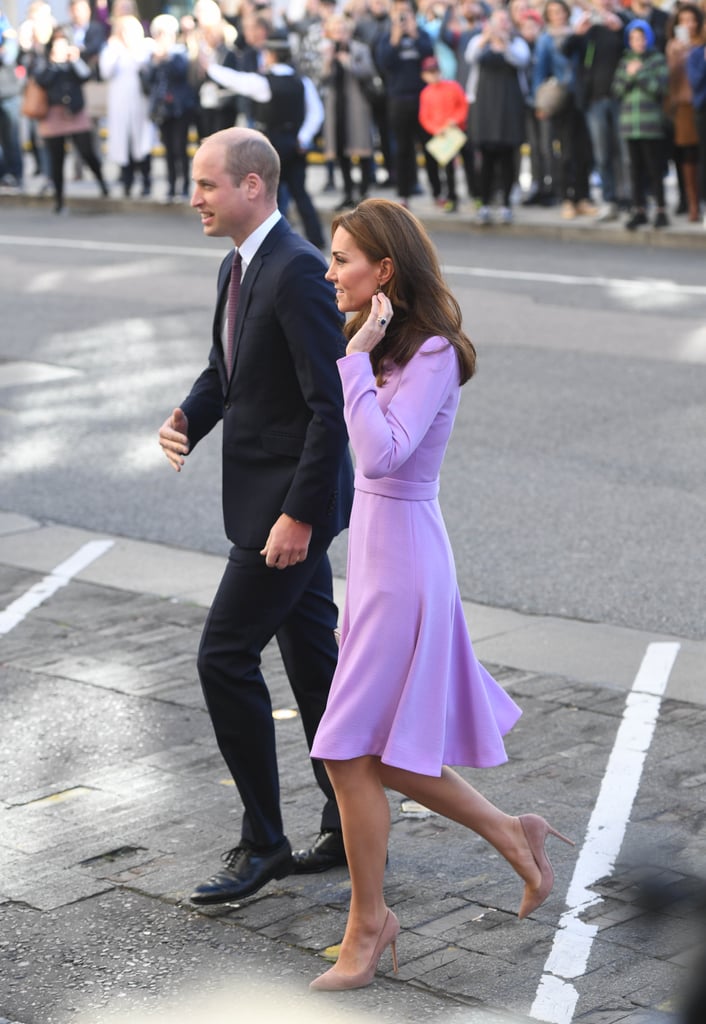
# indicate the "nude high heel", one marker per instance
pixel 335 981
pixel 536 830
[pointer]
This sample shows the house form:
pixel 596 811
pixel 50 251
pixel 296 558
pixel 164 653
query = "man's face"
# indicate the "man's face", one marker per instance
pixel 254 31
pixel 401 11
pixel 221 204
pixel 80 12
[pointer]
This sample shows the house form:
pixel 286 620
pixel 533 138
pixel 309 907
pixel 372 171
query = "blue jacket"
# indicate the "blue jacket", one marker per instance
pixel 550 61
pixel 696 73
pixel 167 84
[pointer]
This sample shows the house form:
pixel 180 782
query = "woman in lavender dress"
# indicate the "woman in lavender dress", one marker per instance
pixel 409 697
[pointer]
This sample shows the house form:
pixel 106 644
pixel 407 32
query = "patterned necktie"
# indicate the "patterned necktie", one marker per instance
pixel 233 296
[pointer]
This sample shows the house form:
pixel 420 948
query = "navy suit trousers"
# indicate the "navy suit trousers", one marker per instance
pixel 253 604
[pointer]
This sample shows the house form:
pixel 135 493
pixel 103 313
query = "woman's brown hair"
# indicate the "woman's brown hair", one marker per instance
pixel 423 304
pixel 677 10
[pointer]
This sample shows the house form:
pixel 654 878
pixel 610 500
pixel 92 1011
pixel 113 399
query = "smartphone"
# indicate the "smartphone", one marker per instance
pixel 681 32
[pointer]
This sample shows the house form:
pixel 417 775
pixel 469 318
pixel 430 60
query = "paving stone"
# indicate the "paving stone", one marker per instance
pixel 104 685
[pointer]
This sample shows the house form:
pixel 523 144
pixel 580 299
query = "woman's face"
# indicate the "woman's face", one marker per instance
pixel 556 14
pixel 688 20
pixel 354 277
pixel 500 24
pixel 336 28
pixel 60 51
pixel 130 31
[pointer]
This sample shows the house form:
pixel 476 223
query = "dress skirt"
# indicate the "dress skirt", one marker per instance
pixel 408 687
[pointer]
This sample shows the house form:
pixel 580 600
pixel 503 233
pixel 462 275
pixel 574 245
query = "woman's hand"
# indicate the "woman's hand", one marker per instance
pixel 373 330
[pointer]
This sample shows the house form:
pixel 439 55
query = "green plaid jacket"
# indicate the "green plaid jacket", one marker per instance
pixel 641 95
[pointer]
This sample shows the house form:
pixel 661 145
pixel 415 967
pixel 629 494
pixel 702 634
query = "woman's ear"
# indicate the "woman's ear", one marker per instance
pixel 385 270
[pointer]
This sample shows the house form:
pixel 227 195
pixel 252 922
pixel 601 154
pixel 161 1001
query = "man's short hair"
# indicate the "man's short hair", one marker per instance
pixel 253 153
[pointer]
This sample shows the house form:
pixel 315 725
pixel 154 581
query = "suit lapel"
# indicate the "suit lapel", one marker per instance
pixel 280 229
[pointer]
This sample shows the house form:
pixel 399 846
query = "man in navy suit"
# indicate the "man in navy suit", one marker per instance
pixel 287 491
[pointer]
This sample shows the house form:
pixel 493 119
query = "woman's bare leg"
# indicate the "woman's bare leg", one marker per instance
pixel 454 798
pixel 365 820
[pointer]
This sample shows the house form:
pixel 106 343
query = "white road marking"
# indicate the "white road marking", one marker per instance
pixel 49 281
pixel 22 371
pixel 105 246
pixel 556 997
pixel 612 283
pixel 57 578
pixel 693 347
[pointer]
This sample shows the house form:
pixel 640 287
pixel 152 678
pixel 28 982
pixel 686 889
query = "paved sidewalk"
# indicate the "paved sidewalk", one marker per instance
pixel 115 802
pixel 83 196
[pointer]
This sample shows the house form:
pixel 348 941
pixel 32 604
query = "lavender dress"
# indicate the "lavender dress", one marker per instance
pixel 408 687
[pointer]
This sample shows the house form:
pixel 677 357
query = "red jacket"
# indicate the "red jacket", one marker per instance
pixel 440 103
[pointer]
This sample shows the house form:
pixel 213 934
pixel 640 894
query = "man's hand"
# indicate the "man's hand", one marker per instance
pixel 612 21
pixel 174 438
pixel 287 544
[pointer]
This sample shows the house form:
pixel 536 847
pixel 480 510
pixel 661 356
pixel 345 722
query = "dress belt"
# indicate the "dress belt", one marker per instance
pixel 392 487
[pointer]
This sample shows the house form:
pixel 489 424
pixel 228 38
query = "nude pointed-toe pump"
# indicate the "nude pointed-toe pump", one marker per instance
pixel 334 981
pixel 536 830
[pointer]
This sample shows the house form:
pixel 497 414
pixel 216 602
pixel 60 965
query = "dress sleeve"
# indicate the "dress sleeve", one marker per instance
pixel 384 440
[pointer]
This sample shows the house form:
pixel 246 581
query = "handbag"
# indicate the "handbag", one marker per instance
pixel 213 97
pixel 35 100
pixel 96 95
pixel 551 97
pixel 446 144
pixel 373 88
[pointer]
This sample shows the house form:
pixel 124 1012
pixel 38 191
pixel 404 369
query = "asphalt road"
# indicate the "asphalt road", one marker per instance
pixel 574 483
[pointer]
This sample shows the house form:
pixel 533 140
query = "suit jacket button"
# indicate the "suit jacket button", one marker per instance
pixel 227 405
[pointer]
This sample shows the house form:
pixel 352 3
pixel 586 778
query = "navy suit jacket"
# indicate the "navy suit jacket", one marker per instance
pixel 285 445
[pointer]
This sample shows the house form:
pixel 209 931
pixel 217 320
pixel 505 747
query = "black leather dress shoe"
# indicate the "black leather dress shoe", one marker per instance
pixel 245 872
pixel 327 852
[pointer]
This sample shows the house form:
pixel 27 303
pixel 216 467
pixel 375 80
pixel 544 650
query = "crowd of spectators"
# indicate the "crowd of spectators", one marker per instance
pixel 606 95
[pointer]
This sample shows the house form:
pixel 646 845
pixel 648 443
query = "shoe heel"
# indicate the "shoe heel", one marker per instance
pixel 536 830
pixel 332 981
pixel 393 948
pixel 558 835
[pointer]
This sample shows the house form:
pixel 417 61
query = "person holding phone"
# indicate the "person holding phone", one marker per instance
pixel 62 74
pixel 399 55
pixel 408 699
pixel 696 74
pixel 498 58
pixel 686 33
pixel 595 47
